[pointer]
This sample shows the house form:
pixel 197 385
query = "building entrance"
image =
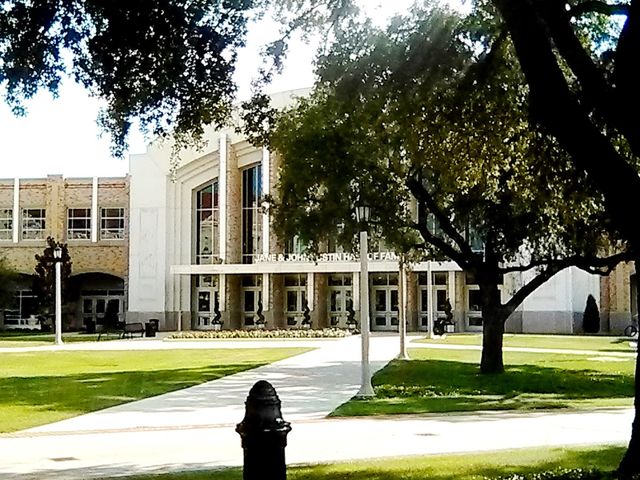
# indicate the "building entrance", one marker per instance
pixel 207 301
pixel 384 302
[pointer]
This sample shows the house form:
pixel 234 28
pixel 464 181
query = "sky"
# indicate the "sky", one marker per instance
pixel 60 136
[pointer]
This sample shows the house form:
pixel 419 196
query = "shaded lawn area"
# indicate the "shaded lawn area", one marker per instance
pixel 449 381
pixel 42 387
pixel 564 342
pixel 477 466
pixel 38 339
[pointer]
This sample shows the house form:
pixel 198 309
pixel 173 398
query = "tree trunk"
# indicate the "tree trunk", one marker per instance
pixel 492 333
pixel 492 328
pixel 630 463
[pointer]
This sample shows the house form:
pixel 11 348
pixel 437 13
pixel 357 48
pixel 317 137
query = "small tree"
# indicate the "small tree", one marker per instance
pixel 591 317
pixel 8 277
pixel 44 282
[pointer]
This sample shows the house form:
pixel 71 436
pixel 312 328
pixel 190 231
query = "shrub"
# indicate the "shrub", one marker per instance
pixel 591 317
pixel 262 333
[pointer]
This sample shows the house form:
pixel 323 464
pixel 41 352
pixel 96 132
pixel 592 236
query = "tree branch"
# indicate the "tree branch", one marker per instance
pixel 530 287
pixel 422 195
pixel 446 248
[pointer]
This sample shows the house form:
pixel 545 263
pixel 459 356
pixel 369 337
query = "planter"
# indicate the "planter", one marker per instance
pixel 449 328
pixel 216 326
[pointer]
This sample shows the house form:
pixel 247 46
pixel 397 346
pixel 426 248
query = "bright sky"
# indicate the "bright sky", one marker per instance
pixel 60 136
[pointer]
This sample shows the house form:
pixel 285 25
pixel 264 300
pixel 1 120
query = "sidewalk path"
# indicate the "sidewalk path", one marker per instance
pixel 194 428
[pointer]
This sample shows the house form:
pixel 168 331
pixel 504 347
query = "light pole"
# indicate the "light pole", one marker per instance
pixel 57 258
pixel 362 216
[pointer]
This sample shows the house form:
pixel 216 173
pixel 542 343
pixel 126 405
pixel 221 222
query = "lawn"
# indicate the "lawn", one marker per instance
pixel 480 466
pixel 565 342
pixel 437 380
pixel 37 339
pixel 42 387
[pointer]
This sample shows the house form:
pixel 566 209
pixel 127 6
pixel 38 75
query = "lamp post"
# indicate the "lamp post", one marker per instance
pixel 57 258
pixel 362 216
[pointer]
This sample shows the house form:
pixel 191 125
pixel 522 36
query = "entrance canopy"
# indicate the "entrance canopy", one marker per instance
pixel 285 266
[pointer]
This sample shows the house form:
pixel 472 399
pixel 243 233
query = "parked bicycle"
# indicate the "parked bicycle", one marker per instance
pixel 632 330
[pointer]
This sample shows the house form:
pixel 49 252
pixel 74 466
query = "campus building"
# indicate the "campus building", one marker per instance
pixel 91 216
pixel 202 249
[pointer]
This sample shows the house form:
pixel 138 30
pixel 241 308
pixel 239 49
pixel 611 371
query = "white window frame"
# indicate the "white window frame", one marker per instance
pixel 6 224
pixel 104 235
pixel 39 232
pixel 74 233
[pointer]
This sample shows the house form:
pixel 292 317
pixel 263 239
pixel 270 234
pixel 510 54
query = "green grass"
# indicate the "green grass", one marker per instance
pixel 42 387
pixel 566 342
pixel 11 339
pixel 449 381
pixel 477 466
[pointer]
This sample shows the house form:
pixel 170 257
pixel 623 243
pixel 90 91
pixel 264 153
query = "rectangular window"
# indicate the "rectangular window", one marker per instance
pixel 112 224
pixel 251 213
pixel 79 224
pixel 6 224
pixel 33 223
pixel 207 224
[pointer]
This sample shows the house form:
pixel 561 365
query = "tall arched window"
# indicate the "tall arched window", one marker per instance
pixel 251 213
pixel 207 224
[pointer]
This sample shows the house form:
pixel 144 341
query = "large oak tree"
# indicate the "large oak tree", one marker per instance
pixel 588 99
pixel 419 114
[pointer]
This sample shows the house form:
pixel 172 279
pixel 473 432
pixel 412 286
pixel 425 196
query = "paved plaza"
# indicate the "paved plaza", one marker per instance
pixel 194 428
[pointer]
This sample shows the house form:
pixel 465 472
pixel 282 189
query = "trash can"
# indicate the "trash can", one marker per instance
pixel 149 331
pixel 156 323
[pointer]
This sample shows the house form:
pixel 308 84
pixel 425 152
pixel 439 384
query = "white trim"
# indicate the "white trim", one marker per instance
pixel 305 267
pixel 222 292
pixel 310 290
pixel 355 289
pixel 266 190
pixel 265 292
pixel 16 210
pixel 222 195
pixel 94 210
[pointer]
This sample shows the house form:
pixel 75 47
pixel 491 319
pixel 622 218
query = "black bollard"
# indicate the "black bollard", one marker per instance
pixel 264 434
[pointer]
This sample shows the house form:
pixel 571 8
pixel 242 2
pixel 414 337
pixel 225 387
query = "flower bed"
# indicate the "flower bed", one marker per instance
pixel 261 333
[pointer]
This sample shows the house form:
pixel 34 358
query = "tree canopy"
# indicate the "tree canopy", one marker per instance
pixel 44 280
pixel 434 137
pixel 166 63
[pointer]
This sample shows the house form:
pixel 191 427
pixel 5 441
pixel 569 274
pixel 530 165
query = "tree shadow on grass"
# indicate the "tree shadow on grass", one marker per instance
pixel 74 394
pixel 489 465
pixel 423 386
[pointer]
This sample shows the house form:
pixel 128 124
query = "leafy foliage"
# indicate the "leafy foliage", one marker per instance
pixel 427 125
pixel 167 63
pixel 8 276
pixel 44 283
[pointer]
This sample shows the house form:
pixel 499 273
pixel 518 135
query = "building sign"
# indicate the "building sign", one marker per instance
pixel 325 257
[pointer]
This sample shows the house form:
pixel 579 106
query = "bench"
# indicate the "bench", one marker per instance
pixel 121 329
pixel 131 328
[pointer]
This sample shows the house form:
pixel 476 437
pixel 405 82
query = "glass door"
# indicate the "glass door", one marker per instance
pixel 207 299
pixel 384 308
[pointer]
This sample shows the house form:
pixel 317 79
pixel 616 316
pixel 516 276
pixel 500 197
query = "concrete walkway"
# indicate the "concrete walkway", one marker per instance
pixel 194 428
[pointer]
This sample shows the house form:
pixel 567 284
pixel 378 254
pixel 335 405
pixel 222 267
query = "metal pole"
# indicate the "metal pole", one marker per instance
pixel 366 389
pixel 402 294
pixel 429 300
pixel 58 304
